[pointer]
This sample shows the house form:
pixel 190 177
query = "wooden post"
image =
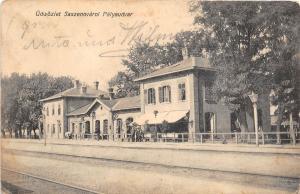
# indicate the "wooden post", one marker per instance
pixel 201 138
pixel 292 132
pixel 193 136
pixel 255 123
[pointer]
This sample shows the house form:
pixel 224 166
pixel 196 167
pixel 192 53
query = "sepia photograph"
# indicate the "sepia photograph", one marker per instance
pixel 150 97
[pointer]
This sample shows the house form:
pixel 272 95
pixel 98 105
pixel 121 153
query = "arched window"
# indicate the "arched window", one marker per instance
pixel 105 126
pixel 119 126
pixel 87 127
pixel 97 126
pixel 80 127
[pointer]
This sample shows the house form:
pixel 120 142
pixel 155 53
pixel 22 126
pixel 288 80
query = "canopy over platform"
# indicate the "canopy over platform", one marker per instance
pixel 160 117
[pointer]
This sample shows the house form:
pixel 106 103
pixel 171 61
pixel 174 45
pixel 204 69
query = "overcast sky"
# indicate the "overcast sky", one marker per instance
pixel 71 45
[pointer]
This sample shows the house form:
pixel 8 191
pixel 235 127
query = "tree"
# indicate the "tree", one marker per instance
pixel 20 105
pixel 144 58
pixel 250 43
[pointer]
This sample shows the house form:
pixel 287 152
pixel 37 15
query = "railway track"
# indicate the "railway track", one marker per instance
pixel 283 183
pixel 23 179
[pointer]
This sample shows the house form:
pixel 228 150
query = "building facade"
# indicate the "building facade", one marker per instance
pixel 177 98
pixel 180 95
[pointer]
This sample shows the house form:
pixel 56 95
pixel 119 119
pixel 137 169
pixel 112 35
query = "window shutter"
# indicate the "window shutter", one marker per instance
pixel 145 96
pixel 179 92
pixel 153 93
pixel 160 94
pixel 169 93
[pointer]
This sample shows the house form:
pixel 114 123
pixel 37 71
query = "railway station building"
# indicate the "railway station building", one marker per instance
pixel 177 98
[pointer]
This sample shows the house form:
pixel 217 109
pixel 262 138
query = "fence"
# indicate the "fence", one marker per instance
pixel 224 138
pixel 237 137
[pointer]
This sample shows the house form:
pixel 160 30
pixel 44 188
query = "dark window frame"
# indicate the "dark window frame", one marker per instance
pixel 165 94
pixel 151 96
pixel 181 92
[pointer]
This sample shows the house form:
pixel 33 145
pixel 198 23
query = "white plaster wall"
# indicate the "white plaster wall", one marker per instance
pixel 53 119
pixel 175 103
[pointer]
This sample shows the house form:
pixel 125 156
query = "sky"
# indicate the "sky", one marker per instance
pixel 88 48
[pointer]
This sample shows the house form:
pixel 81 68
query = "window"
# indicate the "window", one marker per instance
pixel 58 110
pixel 87 127
pixel 181 91
pixel 97 126
pixel 119 126
pixel 53 128
pixel 164 94
pixel 210 122
pixel 151 96
pixel 73 126
pixel 209 96
pixel 80 127
pixel 48 128
pixel 59 126
pixel 47 111
pixel 105 126
pixel 53 109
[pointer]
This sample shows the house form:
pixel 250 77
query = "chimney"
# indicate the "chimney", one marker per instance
pixel 83 89
pixel 111 93
pixel 185 53
pixel 96 84
pixel 76 84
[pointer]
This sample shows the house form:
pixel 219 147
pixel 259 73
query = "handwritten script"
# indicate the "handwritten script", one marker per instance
pixel 139 31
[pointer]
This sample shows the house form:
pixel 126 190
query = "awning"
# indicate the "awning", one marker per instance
pixel 159 118
pixel 143 119
pixel 175 116
pixel 170 117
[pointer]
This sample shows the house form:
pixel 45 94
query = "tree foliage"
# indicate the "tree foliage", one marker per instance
pixel 255 46
pixel 20 95
pixel 144 58
pixel 252 44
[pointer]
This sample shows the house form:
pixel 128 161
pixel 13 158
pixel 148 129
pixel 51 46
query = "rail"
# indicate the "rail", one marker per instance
pixel 81 189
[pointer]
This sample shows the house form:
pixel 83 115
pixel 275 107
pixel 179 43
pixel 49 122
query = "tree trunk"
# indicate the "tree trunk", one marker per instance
pixel 10 132
pixel 35 136
pixel 16 132
pixel 20 132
